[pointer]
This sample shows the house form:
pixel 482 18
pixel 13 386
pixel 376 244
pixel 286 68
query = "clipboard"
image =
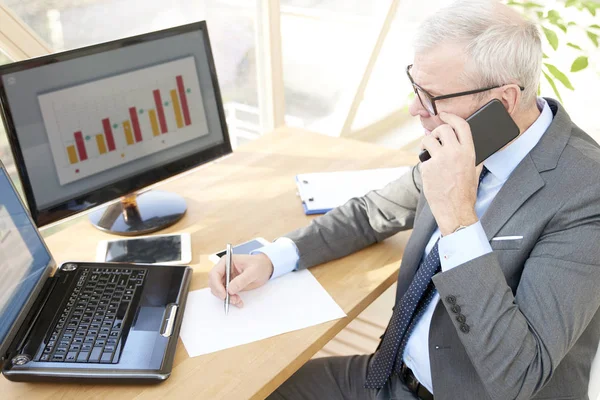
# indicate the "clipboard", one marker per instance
pixel 323 191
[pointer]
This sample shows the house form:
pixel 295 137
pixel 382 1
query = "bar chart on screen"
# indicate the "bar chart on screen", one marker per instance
pixel 98 125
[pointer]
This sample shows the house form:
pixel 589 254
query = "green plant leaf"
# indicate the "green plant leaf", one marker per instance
pixel 573 45
pixel 593 4
pixel 570 3
pixel 555 19
pixel 593 37
pixel 579 64
pixel 560 76
pixel 561 26
pixel 590 8
pixel 544 55
pixel 552 37
pixel 553 15
pixel 551 82
pixel 595 26
pixel 572 23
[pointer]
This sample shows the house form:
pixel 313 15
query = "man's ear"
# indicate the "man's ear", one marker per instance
pixel 511 97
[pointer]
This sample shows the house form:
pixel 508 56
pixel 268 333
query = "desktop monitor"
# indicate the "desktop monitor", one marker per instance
pixel 100 124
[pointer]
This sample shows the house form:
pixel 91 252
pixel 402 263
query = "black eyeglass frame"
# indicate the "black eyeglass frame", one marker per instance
pixel 433 99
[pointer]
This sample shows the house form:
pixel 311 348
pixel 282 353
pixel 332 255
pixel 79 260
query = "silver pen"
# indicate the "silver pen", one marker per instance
pixel 227 276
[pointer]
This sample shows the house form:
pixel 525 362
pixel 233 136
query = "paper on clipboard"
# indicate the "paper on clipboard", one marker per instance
pixel 323 191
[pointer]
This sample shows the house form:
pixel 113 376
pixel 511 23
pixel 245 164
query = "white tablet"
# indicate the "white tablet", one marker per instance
pixel 171 249
pixel 243 248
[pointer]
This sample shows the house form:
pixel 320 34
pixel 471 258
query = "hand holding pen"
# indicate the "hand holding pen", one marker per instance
pixel 246 272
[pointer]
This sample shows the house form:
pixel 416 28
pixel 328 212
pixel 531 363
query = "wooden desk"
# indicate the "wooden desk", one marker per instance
pixel 250 193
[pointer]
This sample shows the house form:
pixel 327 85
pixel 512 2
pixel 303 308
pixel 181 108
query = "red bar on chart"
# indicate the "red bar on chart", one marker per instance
pixel 137 132
pixel 110 139
pixel 183 100
pixel 80 146
pixel 161 111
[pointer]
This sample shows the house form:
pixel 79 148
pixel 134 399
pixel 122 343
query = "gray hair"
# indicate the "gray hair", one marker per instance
pixel 501 45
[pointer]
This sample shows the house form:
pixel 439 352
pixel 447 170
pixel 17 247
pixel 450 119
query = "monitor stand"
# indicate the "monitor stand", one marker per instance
pixel 140 214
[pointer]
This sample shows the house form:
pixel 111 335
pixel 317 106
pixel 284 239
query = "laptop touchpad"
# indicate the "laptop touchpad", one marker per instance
pixel 149 319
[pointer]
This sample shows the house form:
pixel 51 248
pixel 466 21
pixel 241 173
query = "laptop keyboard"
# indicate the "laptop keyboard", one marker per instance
pixel 90 327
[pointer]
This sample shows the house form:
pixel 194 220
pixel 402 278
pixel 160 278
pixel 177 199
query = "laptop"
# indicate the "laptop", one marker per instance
pixel 82 321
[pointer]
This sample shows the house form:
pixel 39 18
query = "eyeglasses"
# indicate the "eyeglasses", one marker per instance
pixel 428 101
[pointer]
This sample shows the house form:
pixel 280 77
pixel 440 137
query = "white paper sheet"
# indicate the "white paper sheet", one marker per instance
pixel 291 302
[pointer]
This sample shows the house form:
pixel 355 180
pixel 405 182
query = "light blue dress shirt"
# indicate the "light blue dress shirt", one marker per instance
pixel 455 249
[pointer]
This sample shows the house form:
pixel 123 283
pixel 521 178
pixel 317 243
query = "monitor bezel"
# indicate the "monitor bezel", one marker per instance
pixel 111 192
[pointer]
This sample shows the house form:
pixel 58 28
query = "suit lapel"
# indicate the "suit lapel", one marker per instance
pixel 525 180
pixel 522 184
pixel 424 227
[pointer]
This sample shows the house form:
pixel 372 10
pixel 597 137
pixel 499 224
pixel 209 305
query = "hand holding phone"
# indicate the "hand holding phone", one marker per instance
pixel 492 128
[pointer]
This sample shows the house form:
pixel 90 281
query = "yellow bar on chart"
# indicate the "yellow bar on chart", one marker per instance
pixel 154 123
pixel 100 143
pixel 72 154
pixel 177 108
pixel 128 132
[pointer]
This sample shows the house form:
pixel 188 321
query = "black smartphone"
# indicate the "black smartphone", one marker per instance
pixel 492 128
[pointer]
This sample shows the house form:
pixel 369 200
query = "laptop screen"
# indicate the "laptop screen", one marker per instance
pixel 23 256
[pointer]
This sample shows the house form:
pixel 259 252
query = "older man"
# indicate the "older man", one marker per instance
pixel 498 291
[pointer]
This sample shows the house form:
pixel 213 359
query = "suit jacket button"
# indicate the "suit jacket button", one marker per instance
pixel 451 299
pixel 464 328
pixel 455 309
pixel 461 318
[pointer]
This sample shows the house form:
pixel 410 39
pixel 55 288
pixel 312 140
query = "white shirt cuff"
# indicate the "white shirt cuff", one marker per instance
pixel 283 253
pixel 463 246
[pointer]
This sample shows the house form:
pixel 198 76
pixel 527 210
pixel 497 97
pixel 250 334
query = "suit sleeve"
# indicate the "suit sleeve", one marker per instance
pixel 360 222
pixel 516 341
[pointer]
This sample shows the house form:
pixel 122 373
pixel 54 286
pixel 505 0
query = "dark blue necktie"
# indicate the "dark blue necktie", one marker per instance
pixel 406 314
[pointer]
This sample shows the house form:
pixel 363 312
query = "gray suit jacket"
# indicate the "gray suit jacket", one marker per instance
pixel 531 306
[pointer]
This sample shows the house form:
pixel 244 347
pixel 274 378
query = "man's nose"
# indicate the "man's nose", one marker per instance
pixel 416 108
